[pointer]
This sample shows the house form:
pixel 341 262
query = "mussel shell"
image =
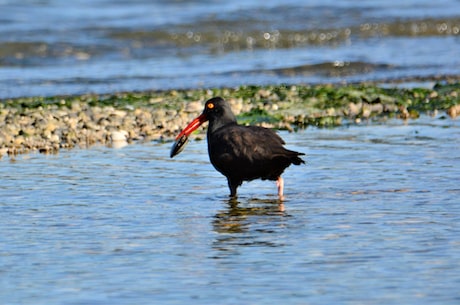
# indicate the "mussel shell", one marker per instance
pixel 179 145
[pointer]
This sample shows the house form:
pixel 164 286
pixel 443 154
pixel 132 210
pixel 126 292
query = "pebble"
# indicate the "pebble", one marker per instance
pixel 117 136
pixel 193 107
pixel 454 111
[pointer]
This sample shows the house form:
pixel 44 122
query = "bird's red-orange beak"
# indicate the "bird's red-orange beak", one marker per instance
pixel 192 126
pixel 182 137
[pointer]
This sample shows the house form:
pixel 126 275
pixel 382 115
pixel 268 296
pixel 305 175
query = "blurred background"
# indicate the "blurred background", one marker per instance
pixel 54 47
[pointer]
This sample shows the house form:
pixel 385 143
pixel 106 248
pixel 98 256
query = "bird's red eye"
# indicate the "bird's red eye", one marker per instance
pixel 210 105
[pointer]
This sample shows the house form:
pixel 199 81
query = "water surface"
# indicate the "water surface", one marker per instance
pixel 55 47
pixel 373 218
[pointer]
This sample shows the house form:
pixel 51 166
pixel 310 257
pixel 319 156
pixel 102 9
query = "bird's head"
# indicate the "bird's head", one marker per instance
pixel 216 110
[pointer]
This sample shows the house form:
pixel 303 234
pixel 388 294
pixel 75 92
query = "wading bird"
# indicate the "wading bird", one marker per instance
pixel 240 153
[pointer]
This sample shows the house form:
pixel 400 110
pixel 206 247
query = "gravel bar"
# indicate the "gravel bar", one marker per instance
pixel 49 124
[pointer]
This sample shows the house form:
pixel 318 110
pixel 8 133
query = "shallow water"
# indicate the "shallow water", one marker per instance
pixel 55 47
pixel 373 218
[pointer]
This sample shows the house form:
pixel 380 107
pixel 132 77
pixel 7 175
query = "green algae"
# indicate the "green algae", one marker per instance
pixel 297 105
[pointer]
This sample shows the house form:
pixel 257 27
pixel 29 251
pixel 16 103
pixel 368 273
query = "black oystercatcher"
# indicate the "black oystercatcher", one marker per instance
pixel 240 153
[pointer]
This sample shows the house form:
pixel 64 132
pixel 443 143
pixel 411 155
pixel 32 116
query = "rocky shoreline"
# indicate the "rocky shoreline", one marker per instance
pixel 46 125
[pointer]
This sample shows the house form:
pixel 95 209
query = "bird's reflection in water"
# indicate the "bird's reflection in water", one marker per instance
pixel 249 222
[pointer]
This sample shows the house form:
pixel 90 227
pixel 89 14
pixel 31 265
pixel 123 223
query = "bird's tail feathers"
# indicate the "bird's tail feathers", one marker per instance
pixel 294 157
pixel 296 160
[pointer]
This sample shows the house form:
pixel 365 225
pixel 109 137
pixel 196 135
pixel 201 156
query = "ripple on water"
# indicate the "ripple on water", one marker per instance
pixel 372 218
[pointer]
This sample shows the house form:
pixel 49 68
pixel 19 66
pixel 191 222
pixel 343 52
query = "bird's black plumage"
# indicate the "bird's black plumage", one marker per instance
pixel 243 153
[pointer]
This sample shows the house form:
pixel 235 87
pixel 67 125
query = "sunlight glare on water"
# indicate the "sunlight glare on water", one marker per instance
pixel 101 46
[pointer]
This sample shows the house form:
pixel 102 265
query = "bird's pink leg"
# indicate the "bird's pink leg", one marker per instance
pixel 280 185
